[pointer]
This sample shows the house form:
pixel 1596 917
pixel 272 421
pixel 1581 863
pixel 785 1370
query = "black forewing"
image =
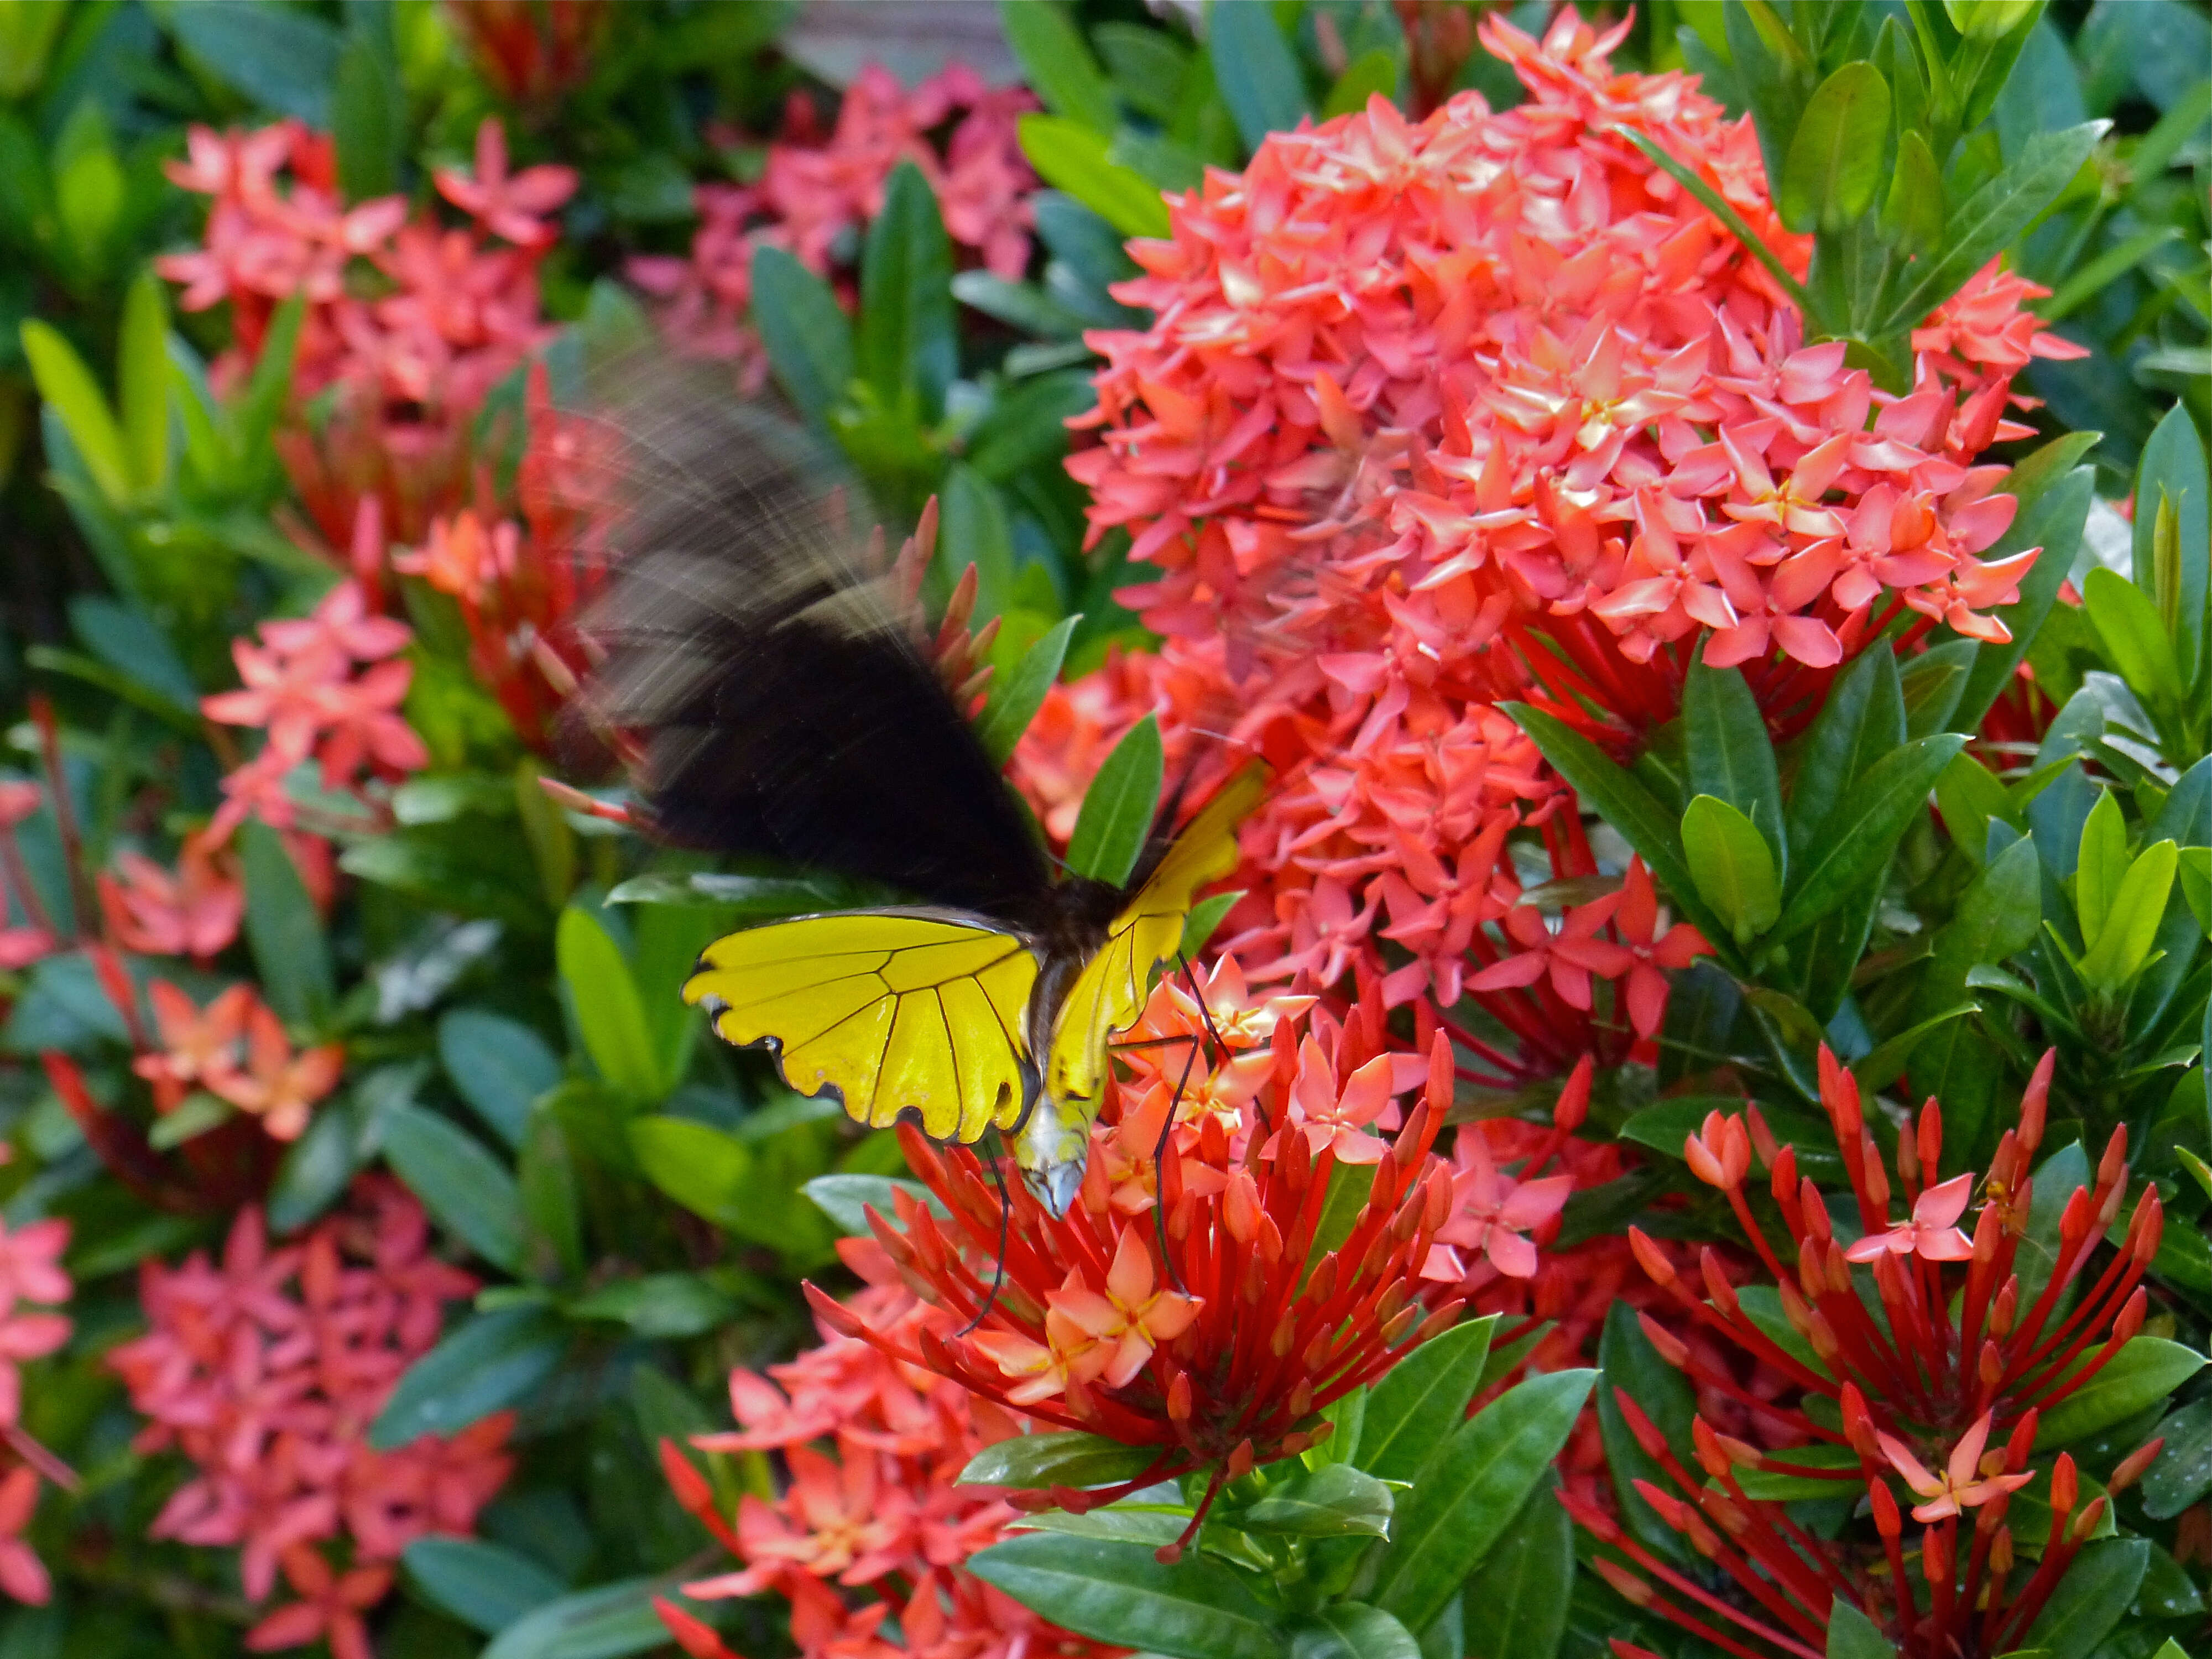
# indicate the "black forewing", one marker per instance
pixel 785 707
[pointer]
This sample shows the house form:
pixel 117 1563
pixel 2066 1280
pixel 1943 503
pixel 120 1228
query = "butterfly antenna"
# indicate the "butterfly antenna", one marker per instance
pixel 1006 1227
pixel 1159 1166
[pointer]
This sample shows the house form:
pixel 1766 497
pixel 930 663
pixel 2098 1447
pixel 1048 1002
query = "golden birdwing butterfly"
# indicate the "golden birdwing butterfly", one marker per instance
pixel 769 676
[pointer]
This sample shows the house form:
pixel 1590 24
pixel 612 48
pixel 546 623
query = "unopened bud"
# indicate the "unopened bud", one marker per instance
pixel 2112 1167
pixel 2065 1484
pixel 1670 1347
pixel 1762 1137
pixel 1815 1208
pixel 2034 1101
pixel 1887 1520
pixel 1877 1183
pixel 1784 1179
pixel 1300 1399
pixel 1625 1584
pixel 1241 1461
pixel 1178 1398
pixel 1931 1138
pixel 1858 1423
pixel 1639 1424
pixel 2005 1307
pixel 2131 1318
pixel 1707 1444
pixel 1718 1288
pixel 1908 1160
pixel 1991 1367
pixel 2131 1467
pixel 2001 1553
pixel 1651 1257
pixel 2086 1523
pixel 1573 1105
pixel 2147 1227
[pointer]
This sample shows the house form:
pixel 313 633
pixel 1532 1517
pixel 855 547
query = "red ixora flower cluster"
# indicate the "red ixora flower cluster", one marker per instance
pixel 455 311
pixel 326 686
pixel 818 192
pixel 266 1370
pixel 874 1449
pixel 1171 1307
pixel 1960 1353
pixel 235 1049
pixel 30 1273
pixel 194 910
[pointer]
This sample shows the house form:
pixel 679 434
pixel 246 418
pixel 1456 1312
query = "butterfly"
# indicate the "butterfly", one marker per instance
pixel 767 669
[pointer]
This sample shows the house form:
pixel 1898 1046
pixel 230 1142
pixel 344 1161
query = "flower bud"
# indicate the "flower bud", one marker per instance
pixel 2033 1104
pixel 1931 1136
pixel 1670 1347
pixel 2131 1467
pixel 1887 1520
pixel 1573 1107
pixel 1651 1257
pixel 1762 1137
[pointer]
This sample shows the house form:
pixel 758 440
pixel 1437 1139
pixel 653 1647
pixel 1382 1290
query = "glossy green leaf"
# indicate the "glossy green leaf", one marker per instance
pixel 1729 754
pixel 1732 865
pixel 1466 1497
pixel 1413 1410
pixel 1862 720
pixel 1852 1635
pixel 659 1306
pixel 498 1065
pixel 907 346
pixel 1627 804
pixel 1352 1629
pixel 976 530
pixel 2172 472
pixel 2101 864
pixel 552 1219
pixel 368 112
pixel 485 1366
pixel 1997 917
pixel 1522 1590
pixel 1205 916
pixel 1057 65
pixel 1119 1593
pixel 470 1191
pixel 809 339
pixel 1373 74
pixel 194 1115
pixel 1256 70
pixel 2092 1598
pixel 1855 845
pixel 2120 946
pixel 1969 794
pixel 2147 1370
pixel 1072 157
pixel 1626 1360
pixel 1836 155
pixel 1333 1501
pixel 281 58
pixel 846 1199
pixel 605 1622
pixel 1118 808
pixel 283 928
pixel 2134 636
pixel 608 1013
pixel 1065 1459
pixel 142 376
pixel 68 389
pixel 705 1169
pixel 341 1137
pixel 1935 684
pixel 2182 1473
pixel 484 1585
pixel 1150 1524
pixel 1912 213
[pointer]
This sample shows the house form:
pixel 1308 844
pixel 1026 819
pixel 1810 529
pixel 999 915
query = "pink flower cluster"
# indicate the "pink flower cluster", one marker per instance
pixel 194 910
pixel 235 1049
pixel 266 1370
pixel 327 685
pixel 817 192
pixel 456 309
pixel 873 1448
pixel 30 1273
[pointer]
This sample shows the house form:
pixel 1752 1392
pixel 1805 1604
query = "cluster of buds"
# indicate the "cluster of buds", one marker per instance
pixel 1956 1354
pixel 1193 1326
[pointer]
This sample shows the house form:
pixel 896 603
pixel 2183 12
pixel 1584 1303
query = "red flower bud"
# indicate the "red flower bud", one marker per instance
pixel 2131 1467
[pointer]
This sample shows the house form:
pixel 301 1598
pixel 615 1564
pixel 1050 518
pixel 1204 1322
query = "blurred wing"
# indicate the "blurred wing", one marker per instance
pixel 1108 994
pixel 785 709
pixel 893 1011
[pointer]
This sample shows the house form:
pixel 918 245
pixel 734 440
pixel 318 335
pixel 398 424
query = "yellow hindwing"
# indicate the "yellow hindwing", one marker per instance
pixel 896 1012
pixel 1108 994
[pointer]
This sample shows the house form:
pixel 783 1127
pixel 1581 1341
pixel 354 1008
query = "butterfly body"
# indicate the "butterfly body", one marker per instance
pixel 787 709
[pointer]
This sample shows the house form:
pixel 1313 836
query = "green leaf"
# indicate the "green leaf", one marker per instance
pixel 1119 1593
pixel 1997 918
pixel 2182 1473
pixel 1331 1502
pixel 1969 795
pixel 1625 803
pixel 2054 495
pixel 469 1191
pixel 808 340
pixel 545 1178
pixel 125 639
pixel 1855 845
pixel 1069 1458
pixel 1150 1524
pixel 845 1198
pixel 1627 1361
pixel 499 1065
pixel 1913 214
pixel 1072 157
pixel 659 1306
pixel 1934 683
pixel 1467 1497
pixel 1732 865
pixel 283 928
pixel 486 1365
pixel 608 1013
pixel 1206 916
pixel 1991 217
pixel 907 346
pixel 2134 636
pixel 1373 74
pixel 486 1586
pixel 368 115
pixel 2173 473
pixel 1352 1629
pixel 1522 1589
pixel 2101 864
pixel 707 1170
pixel 2147 1370
pixel 602 1623
pixel 2124 941
pixel 68 389
pixel 1057 65
pixel 1256 70
pixel 195 1115
pixel 1422 1398
pixel 1862 720
pixel 1731 757
pixel 1852 1635
pixel 1118 808
pixel 2092 1598
pixel 279 57
pixel 1835 154
pixel 142 376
